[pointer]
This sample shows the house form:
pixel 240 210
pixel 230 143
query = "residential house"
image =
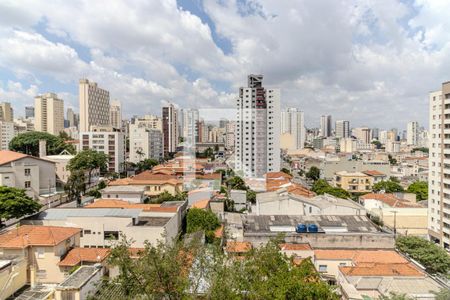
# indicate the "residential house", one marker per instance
pixel 353 182
pixel 154 184
pixel 130 193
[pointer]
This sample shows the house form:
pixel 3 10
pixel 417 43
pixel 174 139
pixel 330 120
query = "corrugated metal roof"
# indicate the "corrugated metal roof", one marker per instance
pixel 64 213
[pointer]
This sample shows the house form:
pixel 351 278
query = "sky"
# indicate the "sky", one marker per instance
pixel 370 62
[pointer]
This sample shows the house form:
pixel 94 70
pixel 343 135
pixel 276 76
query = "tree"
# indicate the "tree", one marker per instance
pixel 387 186
pixel 14 203
pixel 423 149
pixel 64 136
pixel 76 186
pixel 236 183
pixel 392 160
pixel 199 219
pixel 321 187
pixel 434 258
pixel 313 173
pixel 251 196
pixel 88 161
pixel 166 196
pixel 395 296
pixel 28 143
pixel 285 170
pixel 377 144
pixel 146 164
pixel 188 270
pixel 420 188
pixel 443 294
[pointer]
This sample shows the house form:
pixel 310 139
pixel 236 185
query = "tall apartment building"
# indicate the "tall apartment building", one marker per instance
pixel 170 128
pixel 342 129
pixel 116 114
pixel 293 122
pixel 325 126
pixel 145 143
pixel 49 113
pixel 72 118
pixel 439 166
pixel 362 134
pixel 230 135
pixel 257 147
pixel 107 140
pixel 6 112
pixel 412 133
pixel 7 133
pixel 375 132
pixel 190 118
pixel 94 105
pixel 29 112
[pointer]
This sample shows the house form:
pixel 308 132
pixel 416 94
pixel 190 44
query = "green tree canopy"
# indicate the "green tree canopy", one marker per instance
pixel 146 164
pixel 199 219
pixel 236 183
pixel 286 170
pixel 189 270
pixel 88 161
pixel 313 173
pixel 166 196
pixel 434 258
pixel 420 188
pixel 76 186
pixel 388 186
pixel 321 187
pixel 28 143
pixel 14 203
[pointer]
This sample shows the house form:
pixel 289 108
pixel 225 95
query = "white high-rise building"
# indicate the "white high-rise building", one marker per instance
pixel 71 116
pixel 150 122
pixel 107 140
pixel 170 128
pixel 412 133
pixel 293 122
pixel 230 135
pixel 6 134
pixel 115 114
pixel 325 126
pixel 257 148
pixel 342 129
pixel 49 113
pixel 439 167
pixel 94 105
pixel 190 118
pixel 145 143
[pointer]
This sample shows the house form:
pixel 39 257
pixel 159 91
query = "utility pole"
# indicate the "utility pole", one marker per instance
pixel 395 223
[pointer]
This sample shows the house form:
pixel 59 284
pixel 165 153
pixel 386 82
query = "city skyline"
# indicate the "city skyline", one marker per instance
pixel 362 48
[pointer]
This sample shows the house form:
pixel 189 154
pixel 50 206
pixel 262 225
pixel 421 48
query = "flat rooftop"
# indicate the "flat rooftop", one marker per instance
pixel 64 213
pixel 326 224
pixel 39 292
pixel 79 278
pixel 153 221
pixel 123 189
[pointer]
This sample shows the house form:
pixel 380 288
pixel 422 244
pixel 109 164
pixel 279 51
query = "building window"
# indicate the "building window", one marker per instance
pixel 322 268
pixel 87 231
pixel 40 252
pixel 27 172
pixel 27 184
pixel 111 235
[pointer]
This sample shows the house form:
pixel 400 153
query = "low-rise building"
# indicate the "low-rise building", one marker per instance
pixel 353 182
pixel 282 202
pixel 145 143
pixel 399 214
pixel 13 275
pixel 35 175
pixel 239 199
pixel 81 284
pixel 321 232
pixel 42 247
pixel 130 193
pixel 6 134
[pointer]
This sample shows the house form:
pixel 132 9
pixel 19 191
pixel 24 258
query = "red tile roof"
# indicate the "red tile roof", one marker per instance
pixel 77 256
pixel 390 200
pixel 238 247
pixel 373 173
pixel 115 203
pixel 7 156
pixel 360 256
pixel 35 235
pixel 295 247
pixel 381 269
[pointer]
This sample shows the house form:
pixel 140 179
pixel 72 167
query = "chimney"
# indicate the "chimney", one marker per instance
pixel 42 148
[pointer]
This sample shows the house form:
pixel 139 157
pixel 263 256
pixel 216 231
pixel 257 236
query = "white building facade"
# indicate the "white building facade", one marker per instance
pixel 342 129
pixel 293 122
pixel 145 143
pixel 412 134
pixel 48 113
pixel 257 147
pixel 6 134
pixel 94 105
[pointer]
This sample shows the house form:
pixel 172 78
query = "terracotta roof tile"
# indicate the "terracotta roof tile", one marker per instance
pixel 201 204
pixel 7 156
pixel 295 247
pixel 35 235
pixel 115 203
pixel 390 200
pixel 360 256
pixel 77 256
pixel 278 175
pixel 238 247
pixel 381 269
pixel 373 173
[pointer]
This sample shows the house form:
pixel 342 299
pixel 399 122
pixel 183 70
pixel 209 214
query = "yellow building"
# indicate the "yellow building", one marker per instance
pixel 353 182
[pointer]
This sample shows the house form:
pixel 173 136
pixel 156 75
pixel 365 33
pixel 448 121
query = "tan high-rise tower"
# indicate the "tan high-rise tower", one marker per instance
pixel 94 105
pixel 6 112
pixel 49 113
pixel 116 114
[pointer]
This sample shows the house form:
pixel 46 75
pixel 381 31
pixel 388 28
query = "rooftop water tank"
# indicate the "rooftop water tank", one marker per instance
pixel 313 228
pixel 300 228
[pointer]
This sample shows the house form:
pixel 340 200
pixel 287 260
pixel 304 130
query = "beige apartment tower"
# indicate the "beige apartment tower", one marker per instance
pixel 49 113
pixel 94 105
pixel 6 112
pixel 116 114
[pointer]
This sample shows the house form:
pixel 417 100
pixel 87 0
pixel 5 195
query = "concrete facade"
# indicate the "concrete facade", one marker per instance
pixel 49 113
pixel 94 105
